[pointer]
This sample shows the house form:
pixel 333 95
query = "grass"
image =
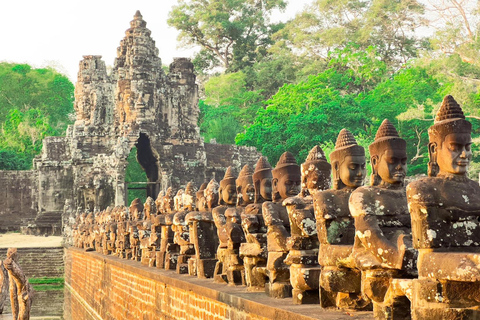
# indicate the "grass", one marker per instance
pixel 47 284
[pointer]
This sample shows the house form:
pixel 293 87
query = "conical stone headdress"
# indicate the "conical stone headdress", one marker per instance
pixel 263 169
pixel 286 164
pixel 316 157
pixel 387 136
pixel 229 178
pixel 449 119
pixel 346 145
pixel 245 175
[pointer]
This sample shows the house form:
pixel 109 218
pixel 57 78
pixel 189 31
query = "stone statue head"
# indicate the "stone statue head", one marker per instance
pixel 450 140
pixel 136 209
pixel 178 200
pixel 388 154
pixel 262 180
pixel 188 198
pixel 211 194
pixel 286 178
pixel 200 201
pixel 348 162
pixel 168 201
pixel 227 192
pixel 315 172
pixel 245 188
pixel 149 208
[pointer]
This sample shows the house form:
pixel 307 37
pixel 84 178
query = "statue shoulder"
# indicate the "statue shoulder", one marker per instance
pixel 360 202
pixel 423 190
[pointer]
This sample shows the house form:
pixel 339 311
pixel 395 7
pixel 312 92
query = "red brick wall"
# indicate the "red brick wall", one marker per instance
pixel 106 287
pixel 119 289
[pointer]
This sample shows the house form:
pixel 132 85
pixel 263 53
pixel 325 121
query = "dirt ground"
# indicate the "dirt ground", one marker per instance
pixel 17 240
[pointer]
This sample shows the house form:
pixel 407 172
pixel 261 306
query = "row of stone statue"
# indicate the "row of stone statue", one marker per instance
pixel 409 251
pixel 14 283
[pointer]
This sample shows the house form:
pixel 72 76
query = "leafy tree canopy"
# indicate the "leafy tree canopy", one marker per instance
pixel 232 33
pixel 34 103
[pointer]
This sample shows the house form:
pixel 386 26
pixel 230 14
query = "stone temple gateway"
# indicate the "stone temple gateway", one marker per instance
pixel 137 105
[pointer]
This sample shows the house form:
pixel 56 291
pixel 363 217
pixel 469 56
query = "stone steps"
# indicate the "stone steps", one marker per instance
pixel 39 262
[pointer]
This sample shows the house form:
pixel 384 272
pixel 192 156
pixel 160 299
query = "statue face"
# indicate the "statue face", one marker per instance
pixel 211 198
pixel 392 166
pixel 266 188
pixel 229 194
pixel 248 193
pixel 288 185
pixel 454 154
pixel 352 171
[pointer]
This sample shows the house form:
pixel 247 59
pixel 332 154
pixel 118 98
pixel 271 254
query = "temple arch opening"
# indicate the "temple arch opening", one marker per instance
pixel 142 173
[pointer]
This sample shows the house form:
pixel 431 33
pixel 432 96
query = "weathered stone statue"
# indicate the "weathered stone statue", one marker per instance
pixel 3 286
pixel 285 183
pixel 136 215
pixel 145 233
pixel 445 211
pixel 382 247
pixel 173 249
pixel 303 242
pixel 339 282
pixel 233 263
pixel 21 291
pixel 227 200
pixel 166 237
pixel 203 233
pixel 122 243
pixel 181 232
pixel 254 251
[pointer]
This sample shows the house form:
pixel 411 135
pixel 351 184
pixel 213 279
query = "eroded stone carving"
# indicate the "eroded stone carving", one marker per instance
pixel 303 241
pixel 254 250
pixel 339 281
pixel 21 291
pixel 285 183
pixel 382 248
pixel 445 210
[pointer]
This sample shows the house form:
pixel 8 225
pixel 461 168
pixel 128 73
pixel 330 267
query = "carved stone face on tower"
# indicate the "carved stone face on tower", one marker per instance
pixel 245 188
pixel 228 190
pixel 388 156
pixel 211 194
pixel 262 180
pixel 286 177
pixel 450 139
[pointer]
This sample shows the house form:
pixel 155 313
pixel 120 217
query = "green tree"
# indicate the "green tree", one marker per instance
pixel 34 103
pixel 327 25
pixel 231 33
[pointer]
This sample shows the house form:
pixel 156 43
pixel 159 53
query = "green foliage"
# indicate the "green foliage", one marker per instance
pixel 232 33
pixel 356 92
pixel 135 173
pixel 34 103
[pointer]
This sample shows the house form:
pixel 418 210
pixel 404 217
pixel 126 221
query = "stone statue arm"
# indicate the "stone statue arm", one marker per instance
pixel 218 214
pixel 277 234
pixel 390 252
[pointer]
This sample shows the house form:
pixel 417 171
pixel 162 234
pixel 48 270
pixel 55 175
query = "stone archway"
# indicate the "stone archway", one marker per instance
pixel 147 157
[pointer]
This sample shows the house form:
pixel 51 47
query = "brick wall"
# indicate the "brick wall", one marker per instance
pixel 106 287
